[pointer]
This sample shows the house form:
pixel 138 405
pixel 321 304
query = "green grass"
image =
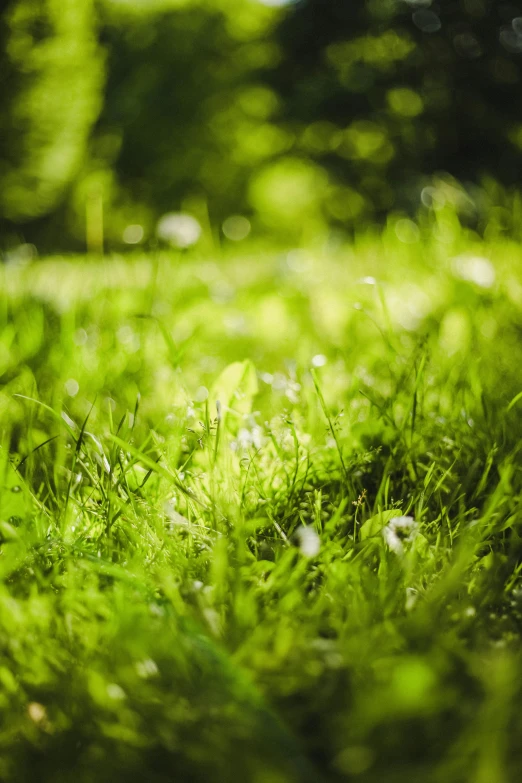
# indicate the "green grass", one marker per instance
pixel 203 591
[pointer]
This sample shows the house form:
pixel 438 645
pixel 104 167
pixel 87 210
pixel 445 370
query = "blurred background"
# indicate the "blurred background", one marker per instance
pixel 145 123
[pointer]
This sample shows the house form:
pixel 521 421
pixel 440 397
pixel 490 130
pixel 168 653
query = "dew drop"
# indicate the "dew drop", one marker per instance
pixel 16 488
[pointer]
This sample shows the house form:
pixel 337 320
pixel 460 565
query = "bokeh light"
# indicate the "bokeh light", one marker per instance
pixel 179 229
pixel 236 228
pixel 133 234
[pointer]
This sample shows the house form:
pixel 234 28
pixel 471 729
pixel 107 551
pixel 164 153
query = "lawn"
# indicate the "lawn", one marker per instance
pixel 261 515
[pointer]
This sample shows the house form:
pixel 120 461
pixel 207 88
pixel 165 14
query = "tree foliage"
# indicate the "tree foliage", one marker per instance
pixel 295 114
pixel 52 72
pixel 384 94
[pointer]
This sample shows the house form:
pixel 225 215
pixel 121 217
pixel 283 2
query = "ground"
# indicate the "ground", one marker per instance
pixel 260 515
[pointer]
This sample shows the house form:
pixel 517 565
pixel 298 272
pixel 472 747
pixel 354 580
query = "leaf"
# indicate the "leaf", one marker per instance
pixel 235 390
pixel 421 547
pixel 375 524
pixel 16 502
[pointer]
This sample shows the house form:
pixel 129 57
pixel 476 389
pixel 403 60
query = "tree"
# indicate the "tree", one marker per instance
pixel 386 93
pixel 52 76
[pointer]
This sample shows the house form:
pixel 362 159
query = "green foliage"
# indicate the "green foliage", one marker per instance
pixel 374 525
pixel 186 116
pixel 402 90
pixel 295 117
pixel 320 583
pixel 234 391
pixel 53 68
pixel 16 504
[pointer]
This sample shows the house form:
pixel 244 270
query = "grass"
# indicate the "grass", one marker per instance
pixel 261 516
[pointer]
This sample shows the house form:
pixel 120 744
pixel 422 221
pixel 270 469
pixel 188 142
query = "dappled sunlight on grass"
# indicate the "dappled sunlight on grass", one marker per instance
pixel 262 516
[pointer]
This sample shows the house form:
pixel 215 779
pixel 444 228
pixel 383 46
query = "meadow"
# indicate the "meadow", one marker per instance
pixel 260 514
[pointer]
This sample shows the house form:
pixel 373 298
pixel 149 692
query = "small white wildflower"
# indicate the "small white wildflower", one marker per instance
pixel 246 438
pixel 398 530
pixel 309 541
pixel 257 437
pixel 279 382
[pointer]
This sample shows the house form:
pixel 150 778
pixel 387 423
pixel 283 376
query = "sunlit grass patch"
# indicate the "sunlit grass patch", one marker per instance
pixel 260 520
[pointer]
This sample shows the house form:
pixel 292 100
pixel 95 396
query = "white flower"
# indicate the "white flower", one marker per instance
pixel 397 531
pixel 309 541
pixel 247 438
